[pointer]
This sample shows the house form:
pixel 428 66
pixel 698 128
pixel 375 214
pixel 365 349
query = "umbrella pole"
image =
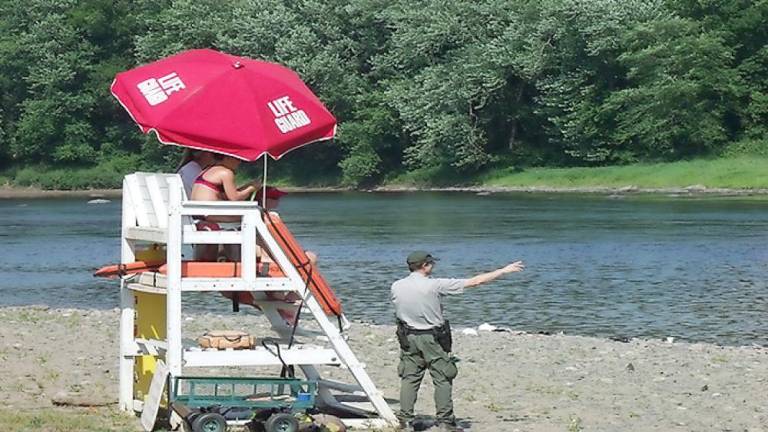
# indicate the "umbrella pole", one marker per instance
pixel 264 184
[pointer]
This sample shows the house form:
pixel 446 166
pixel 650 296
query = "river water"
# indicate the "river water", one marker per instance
pixel 691 268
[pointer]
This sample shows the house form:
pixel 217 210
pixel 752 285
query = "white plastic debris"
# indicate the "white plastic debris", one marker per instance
pixel 99 201
pixel 469 332
pixel 670 339
pixel 486 327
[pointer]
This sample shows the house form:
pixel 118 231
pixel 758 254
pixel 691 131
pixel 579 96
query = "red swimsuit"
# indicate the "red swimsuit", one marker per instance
pixel 210 185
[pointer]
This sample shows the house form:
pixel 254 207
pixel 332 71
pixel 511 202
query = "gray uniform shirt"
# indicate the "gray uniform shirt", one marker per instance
pixel 417 299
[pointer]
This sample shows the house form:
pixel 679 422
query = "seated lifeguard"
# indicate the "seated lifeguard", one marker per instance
pixel 192 163
pixel 217 183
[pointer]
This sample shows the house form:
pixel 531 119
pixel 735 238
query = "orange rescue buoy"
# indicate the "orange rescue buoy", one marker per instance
pixel 115 270
pixel 221 269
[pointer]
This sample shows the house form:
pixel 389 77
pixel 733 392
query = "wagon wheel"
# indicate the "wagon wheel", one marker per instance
pixel 282 422
pixel 209 422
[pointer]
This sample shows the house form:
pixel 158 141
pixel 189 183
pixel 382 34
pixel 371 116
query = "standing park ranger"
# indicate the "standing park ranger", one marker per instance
pixel 425 336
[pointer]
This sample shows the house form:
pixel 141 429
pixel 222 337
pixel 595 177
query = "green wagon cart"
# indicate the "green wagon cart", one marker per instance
pixel 209 404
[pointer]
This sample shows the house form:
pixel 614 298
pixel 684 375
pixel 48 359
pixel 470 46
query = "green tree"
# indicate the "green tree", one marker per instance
pixel 754 114
pixel 53 121
pixel 328 43
pixel 741 24
pixel 458 85
pixel 61 58
pixel 681 88
pixel 578 71
pixel 439 76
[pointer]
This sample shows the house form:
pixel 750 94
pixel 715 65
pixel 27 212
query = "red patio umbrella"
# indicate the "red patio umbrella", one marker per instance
pixel 209 100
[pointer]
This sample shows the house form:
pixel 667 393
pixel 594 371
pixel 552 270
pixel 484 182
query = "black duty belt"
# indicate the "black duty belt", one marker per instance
pixel 420 331
pixel 442 335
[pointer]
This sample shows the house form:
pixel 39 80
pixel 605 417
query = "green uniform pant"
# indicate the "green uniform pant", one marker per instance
pixel 425 353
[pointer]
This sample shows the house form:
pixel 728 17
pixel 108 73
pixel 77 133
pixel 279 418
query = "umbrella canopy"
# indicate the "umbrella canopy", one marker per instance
pixel 208 100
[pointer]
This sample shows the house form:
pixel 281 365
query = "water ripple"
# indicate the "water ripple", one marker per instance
pixel 690 268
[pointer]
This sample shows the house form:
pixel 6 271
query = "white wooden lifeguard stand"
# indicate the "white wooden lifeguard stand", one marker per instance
pixel 155 210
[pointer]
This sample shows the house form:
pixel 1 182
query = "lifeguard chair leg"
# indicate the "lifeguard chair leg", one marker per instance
pixel 173 356
pixel 126 365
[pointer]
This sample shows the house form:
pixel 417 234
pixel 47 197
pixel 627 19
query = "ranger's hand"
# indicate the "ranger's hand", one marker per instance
pixel 480 279
pixel 515 267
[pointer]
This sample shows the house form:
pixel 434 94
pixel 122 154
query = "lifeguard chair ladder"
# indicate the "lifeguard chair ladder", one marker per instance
pixel 155 210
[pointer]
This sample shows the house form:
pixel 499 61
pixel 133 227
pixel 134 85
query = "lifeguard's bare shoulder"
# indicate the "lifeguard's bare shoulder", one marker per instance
pixel 222 173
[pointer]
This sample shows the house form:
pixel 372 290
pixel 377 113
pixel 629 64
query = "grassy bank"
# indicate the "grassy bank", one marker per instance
pixel 743 172
pixel 109 175
pixel 737 172
pixel 106 174
pixel 66 420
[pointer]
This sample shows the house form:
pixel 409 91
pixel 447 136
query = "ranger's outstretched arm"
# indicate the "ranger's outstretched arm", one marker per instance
pixel 482 278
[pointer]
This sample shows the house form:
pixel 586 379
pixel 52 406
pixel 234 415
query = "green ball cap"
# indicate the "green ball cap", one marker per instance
pixel 420 257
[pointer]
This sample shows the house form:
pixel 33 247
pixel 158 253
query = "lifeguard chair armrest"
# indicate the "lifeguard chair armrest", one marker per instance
pixel 149 195
pixel 218 208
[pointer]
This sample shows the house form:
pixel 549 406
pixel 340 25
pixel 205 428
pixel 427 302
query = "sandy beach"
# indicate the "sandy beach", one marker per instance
pixel 508 381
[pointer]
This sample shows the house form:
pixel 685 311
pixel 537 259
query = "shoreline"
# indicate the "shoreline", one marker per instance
pixel 597 190
pixel 507 380
pixel 14 192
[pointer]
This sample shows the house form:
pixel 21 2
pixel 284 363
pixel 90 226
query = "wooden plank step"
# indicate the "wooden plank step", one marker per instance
pixel 301 355
pixel 156 283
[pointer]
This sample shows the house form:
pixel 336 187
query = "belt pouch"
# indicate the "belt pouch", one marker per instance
pixel 443 336
pixel 402 335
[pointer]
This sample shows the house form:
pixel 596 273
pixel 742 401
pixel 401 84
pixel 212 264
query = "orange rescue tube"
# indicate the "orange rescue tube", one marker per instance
pixel 317 283
pixel 221 269
pixel 115 270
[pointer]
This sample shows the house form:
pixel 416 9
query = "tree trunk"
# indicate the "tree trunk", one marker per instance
pixel 513 132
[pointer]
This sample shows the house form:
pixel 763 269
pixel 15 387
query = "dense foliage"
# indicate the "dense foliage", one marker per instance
pixel 457 86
